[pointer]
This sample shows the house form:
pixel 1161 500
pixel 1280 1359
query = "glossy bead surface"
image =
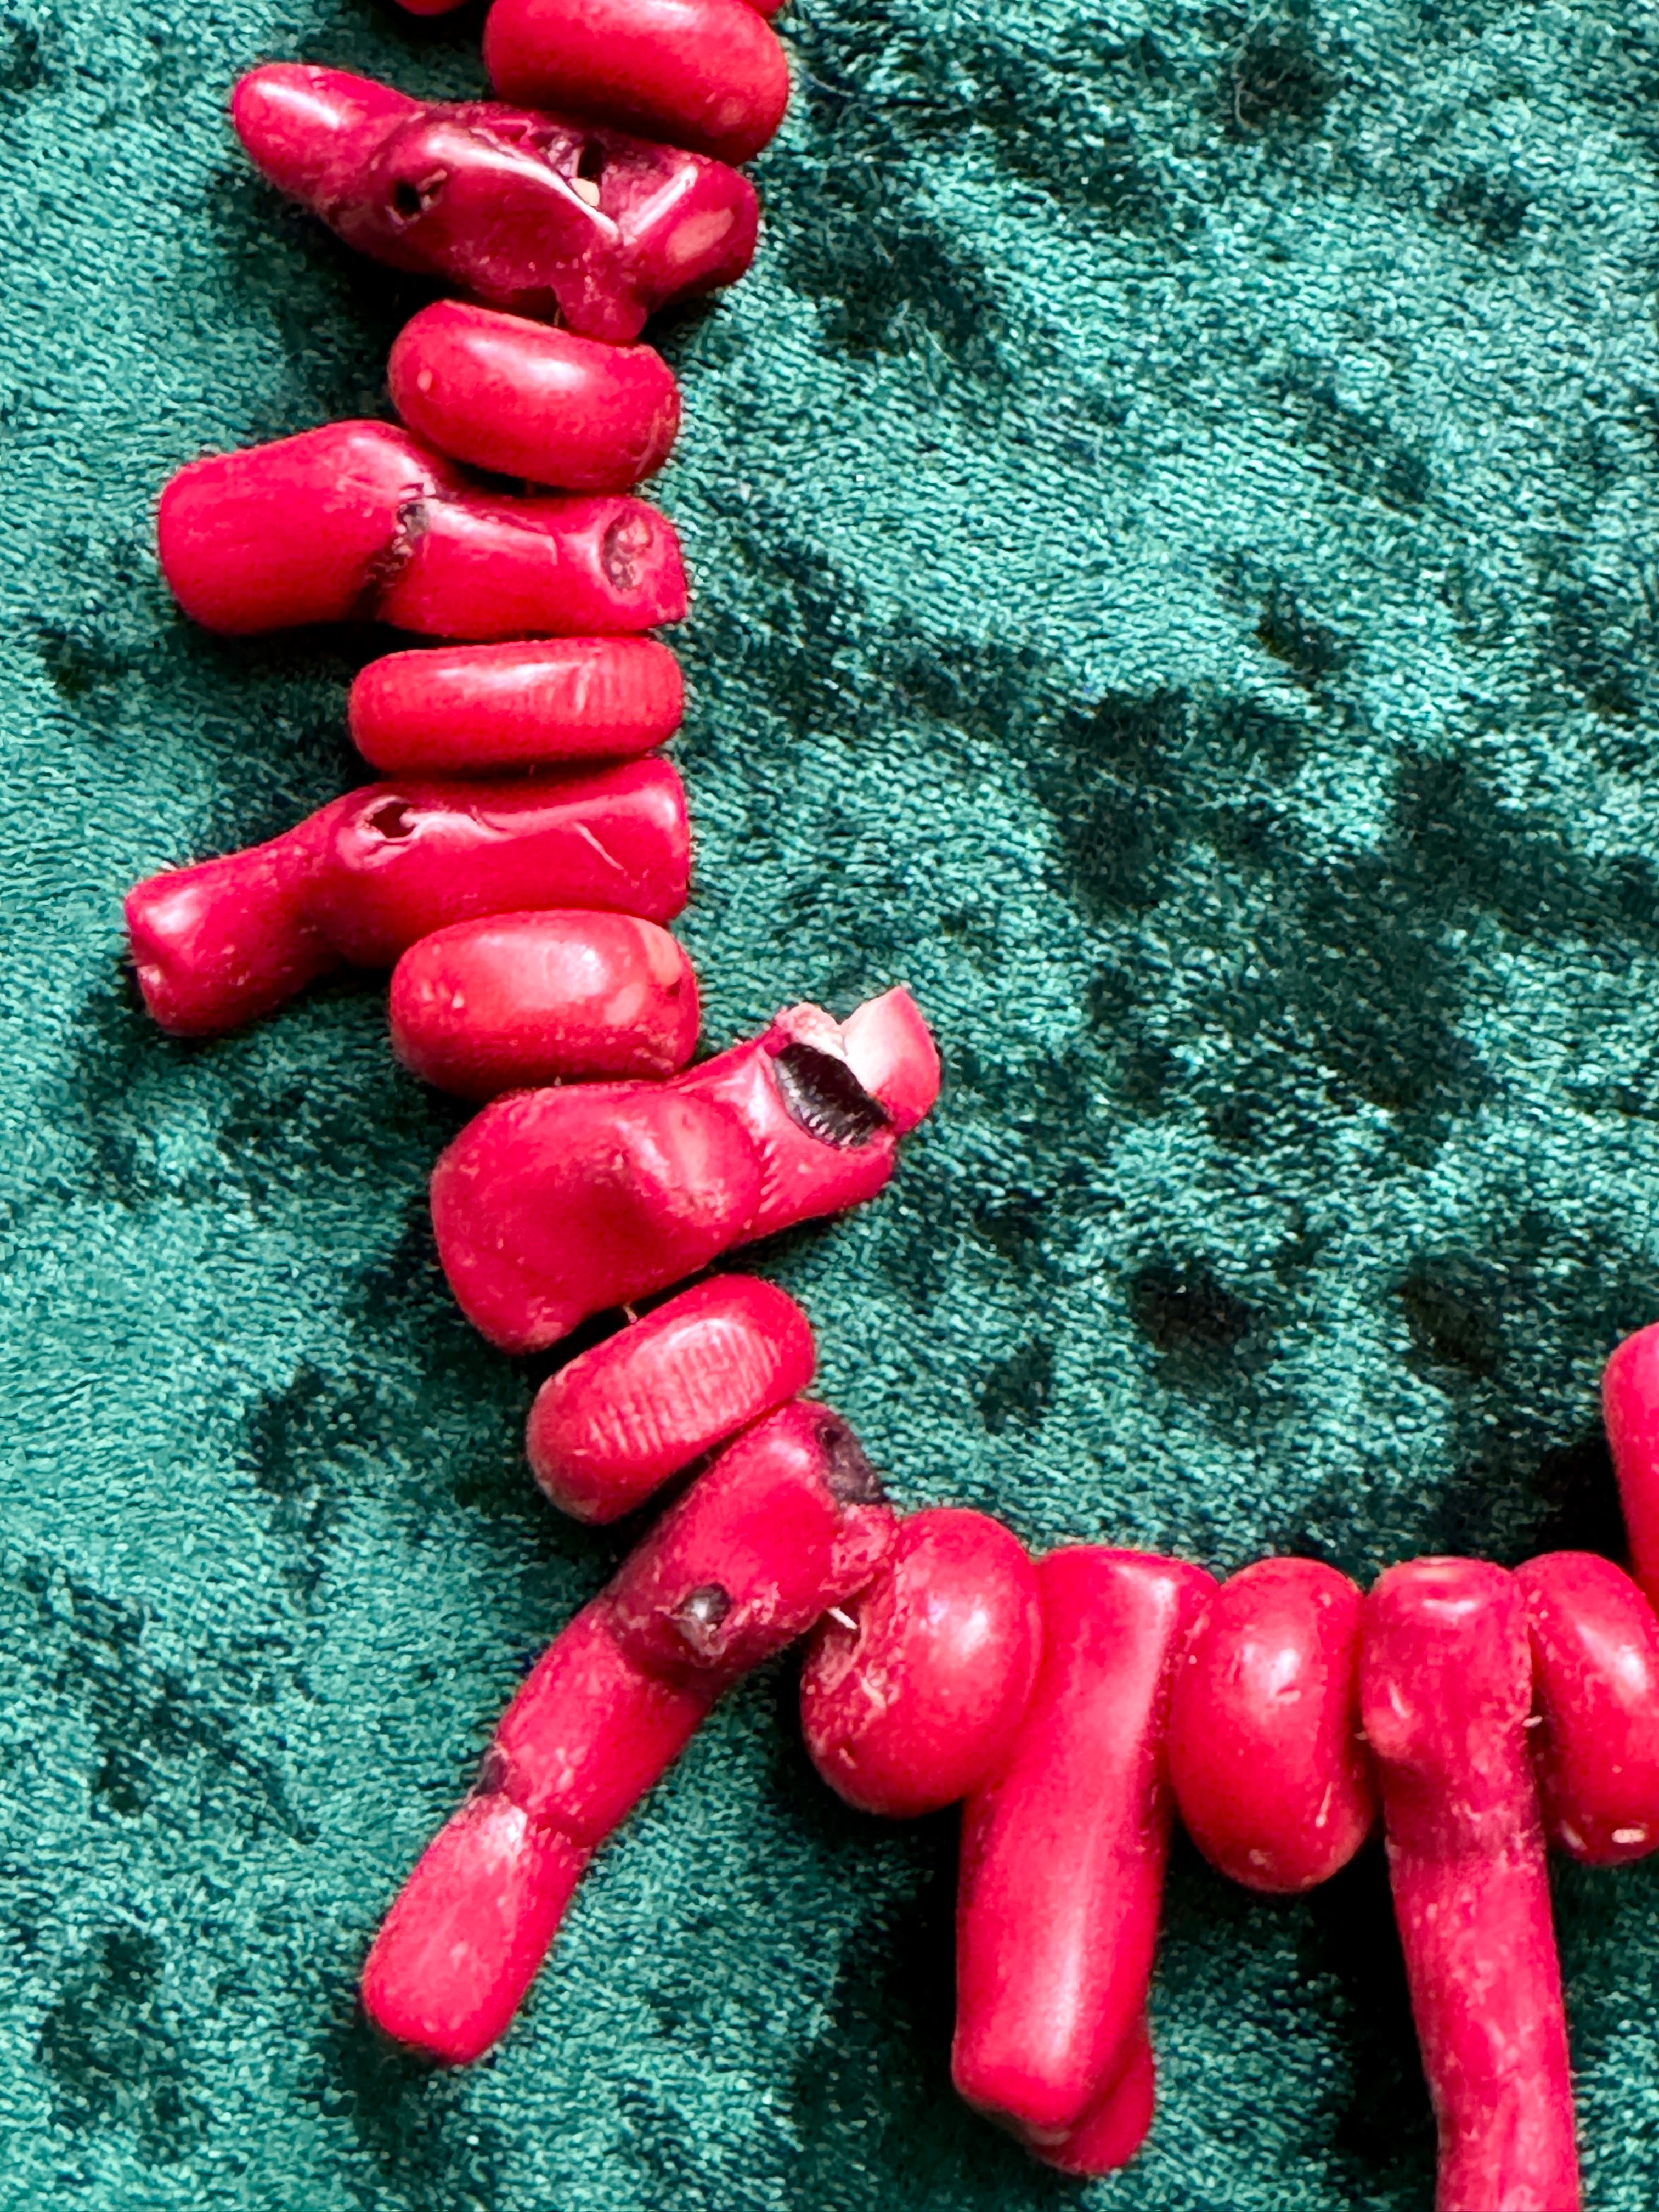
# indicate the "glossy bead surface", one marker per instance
pixel 529 212
pixel 1445 1685
pixel 358 521
pixel 1113 2130
pixel 469 1929
pixel 504 393
pixel 519 1000
pixel 1595 1693
pixel 466 709
pixel 618 1420
pixel 1270 1775
pixel 400 860
pixel 1063 1854
pixel 1630 1401
pixel 918 1696
pixel 706 74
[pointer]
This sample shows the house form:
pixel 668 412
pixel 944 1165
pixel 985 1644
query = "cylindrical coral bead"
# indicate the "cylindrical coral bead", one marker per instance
pixel 506 393
pixel 465 709
pixel 517 999
pixel 1445 1685
pixel 1063 1854
pixel 1595 1692
pixel 618 1421
pixel 916 1698
pixel 1269 1772
pixel 400 860
pixel 706 74
pixel 359 521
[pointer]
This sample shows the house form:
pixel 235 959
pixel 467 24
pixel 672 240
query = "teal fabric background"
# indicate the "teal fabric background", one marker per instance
pixel 1174 519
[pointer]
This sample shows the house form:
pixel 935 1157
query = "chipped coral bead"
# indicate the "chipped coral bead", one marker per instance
pixel 465 709
pixel 1445 1688
pixel 1269 1771
pixel 1596 1697
pixel 543 1204
pixel 517 999
pixel 915 1696
pixel 400 860
pixel 517 397
pixel 788 1519
pixel 1063 1853
pixel 1630 1402
pixel 891 1051
pixel 358 521
pixel 615 1422
pixel 706 74
pixel 525 211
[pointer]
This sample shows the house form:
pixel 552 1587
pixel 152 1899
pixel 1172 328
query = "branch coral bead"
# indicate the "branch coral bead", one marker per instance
pixel 534 213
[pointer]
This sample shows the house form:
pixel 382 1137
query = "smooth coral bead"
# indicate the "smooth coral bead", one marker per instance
pixel 916 1698
pixel 1595 1692
pixel 1270 1774
pixel 706 74
pixel 518 999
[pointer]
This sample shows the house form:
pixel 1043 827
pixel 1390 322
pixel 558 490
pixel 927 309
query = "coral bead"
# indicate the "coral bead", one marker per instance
pixel 706 74
pixel 516 396
pixel 618 1421
pixel 463 710
pixel 517 999
pixel 916 1698
pixel 1269 1772
pixel 1596 1691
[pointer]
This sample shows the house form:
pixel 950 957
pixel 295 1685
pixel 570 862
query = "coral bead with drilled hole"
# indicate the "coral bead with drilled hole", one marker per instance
pixel 1269 1772
pixel 403 860
pixel 1445 1682
pixel 788 1520
pixel 706 74
pixel 1596 1694
pixel 510 395
pixel 1063 1853
pixel 525 211
pixel 358 521
pixel 618 1420
pixel 465 709
pixel 517 999
pixel 916 1696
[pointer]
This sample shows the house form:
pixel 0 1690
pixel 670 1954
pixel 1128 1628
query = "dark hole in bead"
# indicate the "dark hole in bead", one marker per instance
pixel 826 1098
pixel 392 819
pixel 492 1773
pixel 405 199
pixel 698 1617
pixel 847 1474
pixel 592 166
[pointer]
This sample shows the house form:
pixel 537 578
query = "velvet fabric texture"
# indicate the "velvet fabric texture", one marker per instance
pixel 1173 517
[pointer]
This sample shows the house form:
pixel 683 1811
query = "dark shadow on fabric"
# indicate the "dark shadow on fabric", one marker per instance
pixel 111 2053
